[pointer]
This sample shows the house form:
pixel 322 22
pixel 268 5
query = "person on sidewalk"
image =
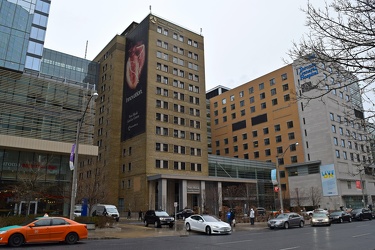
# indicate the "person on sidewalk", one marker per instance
pixel 129 214
pixel 140 215
pixel 252 216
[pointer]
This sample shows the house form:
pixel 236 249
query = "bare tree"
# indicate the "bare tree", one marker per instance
pixel 92 187
pixel 342 35
pixel 298 197
pixel 315 196
pixel 32 181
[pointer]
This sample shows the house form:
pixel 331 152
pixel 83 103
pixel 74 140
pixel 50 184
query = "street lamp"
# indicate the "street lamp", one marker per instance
pixel 74 181
pixel 278 176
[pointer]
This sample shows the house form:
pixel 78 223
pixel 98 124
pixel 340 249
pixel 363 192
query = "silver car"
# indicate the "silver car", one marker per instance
pixel 286 220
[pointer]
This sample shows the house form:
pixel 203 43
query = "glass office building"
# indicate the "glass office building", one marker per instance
pixel 23 25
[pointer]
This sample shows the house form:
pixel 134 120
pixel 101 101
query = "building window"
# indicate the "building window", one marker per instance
pixel 255 144
pixel 284 76
pixel 274 102
pixel 252 109
pixel 234 138
pixel 289 124
pixel 277 127
pixel 251 90
pixel 285 87
pixel 267 141
pixel 337 153
pixel 242 103
pixel 263 105
pixel 267 152
pixel 332 116
pixel 333 129
pixel 278 138
pixel 262 95
pixel 272 82
pixel 293 159
pixel 256 154
pixel 265 131
pixel 252 99
pixel 291 136
pixel 261 86
pixel 273 91
pixel 286 98
pixel 255 133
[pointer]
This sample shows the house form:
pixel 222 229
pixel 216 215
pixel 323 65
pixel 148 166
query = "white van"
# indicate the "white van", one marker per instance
pixel 105 210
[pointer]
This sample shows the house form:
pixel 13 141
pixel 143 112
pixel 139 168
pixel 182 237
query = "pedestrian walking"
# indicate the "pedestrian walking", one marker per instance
pixel 140 215
pixel 252 216
pixel 129 214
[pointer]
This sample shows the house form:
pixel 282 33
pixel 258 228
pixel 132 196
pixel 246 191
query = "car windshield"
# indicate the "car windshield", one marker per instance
pixel 161 213
pixel 111 210
pixel 357 210
pixel 318 215
pixel 282 216
pixel 210 218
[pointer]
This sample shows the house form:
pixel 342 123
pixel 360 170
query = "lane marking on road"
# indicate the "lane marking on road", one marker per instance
pixel 233 242
pixel 290 248
pixel 360 235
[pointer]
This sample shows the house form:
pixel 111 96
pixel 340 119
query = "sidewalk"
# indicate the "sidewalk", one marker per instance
pixel 135 229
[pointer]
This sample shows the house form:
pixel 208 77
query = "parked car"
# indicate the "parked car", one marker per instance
pixel 43 229
pixel 158 218
pixel 318 210
pixel 208 224
pixel 184 213
pixel 260 211
pixel 361 214
pixel 340 217
pixel 320 219
pixel 286 220
pixel 105 210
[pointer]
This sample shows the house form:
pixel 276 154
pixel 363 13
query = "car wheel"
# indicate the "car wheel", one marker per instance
pixel 301 224
pixel 16 240
pixel 170 225
pixel 341 220
pixel 183 217
pixel 145 223
pixel 187 226
pixel 208 230
pixel 286 225
pixel 71 238
pixel 350 220
pixel 156 224
pixel 117 219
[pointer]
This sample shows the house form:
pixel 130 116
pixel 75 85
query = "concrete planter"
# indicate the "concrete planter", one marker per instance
pixel 90 226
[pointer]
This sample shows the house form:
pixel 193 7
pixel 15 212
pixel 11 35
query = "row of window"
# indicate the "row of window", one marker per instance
pixel 181 73
pixel 262 96
pixel 346 121
pixel 176 36
pixel 177 108
pixel 178 50
pixel 177 95
pixel 349 133
pixel 177 149
pixel 353 157
pixel 178 165
pixel 363 148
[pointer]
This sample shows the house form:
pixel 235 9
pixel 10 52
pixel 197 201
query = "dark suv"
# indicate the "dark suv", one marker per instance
pixel 361 214
pixel 184 213
pixel 158 218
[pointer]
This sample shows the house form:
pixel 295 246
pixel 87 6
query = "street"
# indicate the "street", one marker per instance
pixel 355 235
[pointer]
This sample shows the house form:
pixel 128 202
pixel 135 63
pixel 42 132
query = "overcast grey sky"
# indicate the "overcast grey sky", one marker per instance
pixel 244 39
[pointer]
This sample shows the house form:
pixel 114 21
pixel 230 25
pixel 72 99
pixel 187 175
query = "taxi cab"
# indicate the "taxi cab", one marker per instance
pixel 43 229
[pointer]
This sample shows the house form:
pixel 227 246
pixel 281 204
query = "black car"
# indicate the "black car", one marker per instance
pixel 184 213
pixel 340 217
pixel 158 218
pixel 361 214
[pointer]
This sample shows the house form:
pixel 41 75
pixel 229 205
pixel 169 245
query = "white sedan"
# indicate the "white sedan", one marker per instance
pixel 208 224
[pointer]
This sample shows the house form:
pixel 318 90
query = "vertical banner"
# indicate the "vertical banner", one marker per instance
pixel 71 159
pixel 328 177
pixel 135 82
pixel 273 177
pixel 358 185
